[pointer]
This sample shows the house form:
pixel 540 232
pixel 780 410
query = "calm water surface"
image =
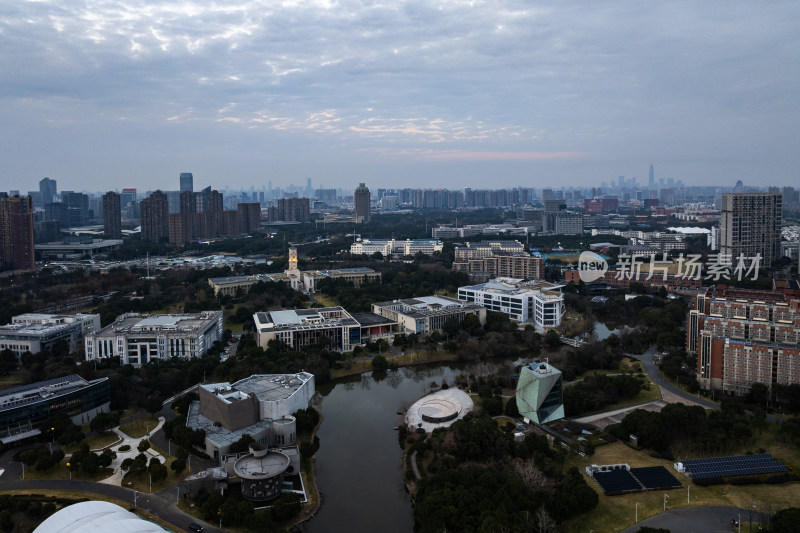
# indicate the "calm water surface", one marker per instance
pixel 359 463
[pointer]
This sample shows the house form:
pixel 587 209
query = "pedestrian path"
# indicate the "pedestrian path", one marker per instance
pixel 116 464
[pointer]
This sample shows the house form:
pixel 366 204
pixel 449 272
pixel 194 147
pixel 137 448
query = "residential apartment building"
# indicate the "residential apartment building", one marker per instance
pixel 16 233
pixel 502 266
pixel 751 225
pixel 112 216
pixel 289 210
pixel 537 303
pixel 482 249
pixel 155 217
pixel 137 339
pixel 361 203
pixel 743 337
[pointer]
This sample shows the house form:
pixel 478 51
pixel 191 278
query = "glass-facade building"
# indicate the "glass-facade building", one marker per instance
pixel 25 410
pixel 540 393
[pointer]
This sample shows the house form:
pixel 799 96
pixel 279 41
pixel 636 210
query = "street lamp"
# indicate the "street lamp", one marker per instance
pixel 665 501
pixel 689 494
pixel 151 481
pixel 70 471
pixel 637 512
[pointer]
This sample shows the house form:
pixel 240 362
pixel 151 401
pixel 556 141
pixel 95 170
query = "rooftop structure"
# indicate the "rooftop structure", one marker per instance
pixel 438 409
pixel 78 249
pixel 137 339
pixel 540 395
pixel 37 332
pixel 479 250
pixel 228 286
pixel 96 516
pixel 425 314
pixel 536 302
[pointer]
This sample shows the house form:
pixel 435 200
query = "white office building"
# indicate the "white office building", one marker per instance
pixel 389 247
pixel 36 332
pixel 138 339
pixel 535 302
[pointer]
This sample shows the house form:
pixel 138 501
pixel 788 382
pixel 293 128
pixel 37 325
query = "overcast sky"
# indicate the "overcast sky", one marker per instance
pixel 102 94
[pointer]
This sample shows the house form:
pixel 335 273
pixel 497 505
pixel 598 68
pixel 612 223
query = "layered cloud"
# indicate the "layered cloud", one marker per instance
pixel 628 82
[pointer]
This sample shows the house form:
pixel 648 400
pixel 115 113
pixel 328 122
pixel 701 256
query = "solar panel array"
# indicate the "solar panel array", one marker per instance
pixel 655 477
pixel 741 465
pixel 617 481
pixel 635 479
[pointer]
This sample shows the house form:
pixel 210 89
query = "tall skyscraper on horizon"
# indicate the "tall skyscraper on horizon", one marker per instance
pixel 127 196
pixel 16 233
pixel 651 182
pixel 155 217
pixel 361 203
pixel 751 224
pixel 112 215
pixel 187 182
pixel 48 190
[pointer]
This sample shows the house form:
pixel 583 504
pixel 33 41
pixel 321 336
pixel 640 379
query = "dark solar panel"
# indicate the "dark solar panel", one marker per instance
pixel 617 481
pixel 742 465
pixel 655 477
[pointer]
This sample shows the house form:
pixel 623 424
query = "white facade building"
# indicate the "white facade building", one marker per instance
pixel 36 332
pixel 388 247
pixel 539 303
pixel 137 339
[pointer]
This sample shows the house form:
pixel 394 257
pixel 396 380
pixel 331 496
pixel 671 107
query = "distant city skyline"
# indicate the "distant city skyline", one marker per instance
pixel 106 95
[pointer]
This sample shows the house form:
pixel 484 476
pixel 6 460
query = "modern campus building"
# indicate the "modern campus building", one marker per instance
pixel 260 406
pixel 482 249
pixel 37 332
pixel 540 393
pixel 502 266
pixel 426 314
pixel 331 327
pixel 539 303
pixel 25 410
pixel 137 339
pixel 751 225
pixel 389 247
pixel 307 280
pixel 743 337
pixel 230 285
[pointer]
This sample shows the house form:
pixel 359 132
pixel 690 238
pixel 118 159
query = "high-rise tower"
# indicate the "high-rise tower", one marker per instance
pixel 187 181
pixel 155 217
pixel 16 233
pixel 651 182
pixel 361 202
pixel 48 190
pixel 751 224
pixel 112 215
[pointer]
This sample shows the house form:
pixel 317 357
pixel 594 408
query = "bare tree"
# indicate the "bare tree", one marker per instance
pixel 530 474
pixel 545 524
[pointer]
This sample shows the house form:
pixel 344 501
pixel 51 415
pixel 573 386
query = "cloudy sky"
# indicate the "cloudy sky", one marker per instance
pixel 101 94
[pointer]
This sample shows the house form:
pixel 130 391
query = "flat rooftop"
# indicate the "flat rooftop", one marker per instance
pixel 268 465
pixel 541 370
pixel 217 434
pixel 304 318
pixel 272 387
pixel 25 394
pixel 133 323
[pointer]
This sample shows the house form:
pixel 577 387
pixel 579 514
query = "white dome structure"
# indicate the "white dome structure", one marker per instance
pixel 96 517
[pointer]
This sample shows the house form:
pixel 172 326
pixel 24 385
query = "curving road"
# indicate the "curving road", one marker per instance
pixel 652 371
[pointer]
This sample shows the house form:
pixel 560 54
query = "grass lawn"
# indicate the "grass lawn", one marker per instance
pixel 96 441
pixel 615 513
pixel 327 301
pixel 11 380
pixel 139 428
pixel 62 472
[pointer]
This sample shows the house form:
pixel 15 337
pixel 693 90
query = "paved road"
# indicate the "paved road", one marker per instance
pixel 652 371
pixel 154 504
pixel 700 520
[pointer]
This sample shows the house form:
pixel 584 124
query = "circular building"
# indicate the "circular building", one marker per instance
pixel 261 472
pixel 96 516
pixel 439 409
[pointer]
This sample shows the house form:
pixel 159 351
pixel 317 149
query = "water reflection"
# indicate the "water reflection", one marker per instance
pixel 359 464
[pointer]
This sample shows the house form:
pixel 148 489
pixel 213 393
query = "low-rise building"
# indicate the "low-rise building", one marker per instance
pixel 332 327
pixel 260 406
pixel 138 339
pixel 538 303
pixel 540 393
pixel 425 314
pixel 389 247
pixel 25 410
pixel 230 285
pixel 354 276
pixel 37 332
